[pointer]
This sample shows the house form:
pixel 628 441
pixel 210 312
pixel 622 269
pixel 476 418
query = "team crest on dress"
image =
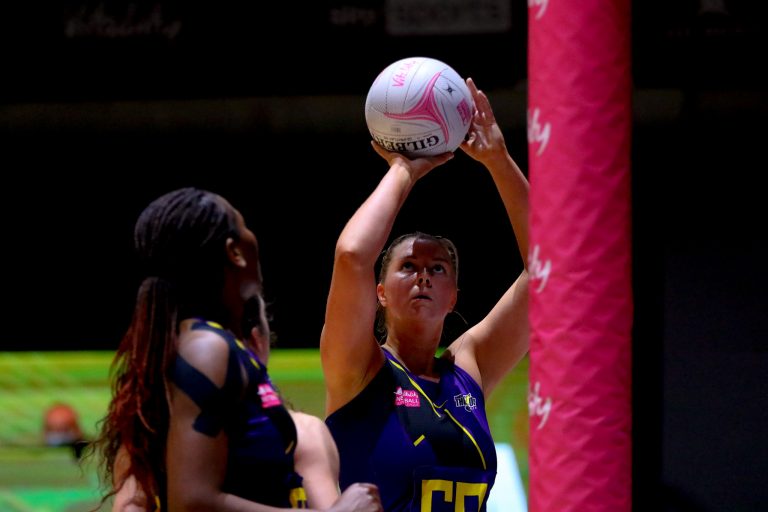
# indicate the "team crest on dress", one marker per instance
pixel 268 395
pixel 468 402
pixel 407 397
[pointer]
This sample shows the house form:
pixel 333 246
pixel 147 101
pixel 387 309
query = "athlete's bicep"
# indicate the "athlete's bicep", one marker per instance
pixel 196 460
pixel 316 460
pixel 349 352
pixel 197 445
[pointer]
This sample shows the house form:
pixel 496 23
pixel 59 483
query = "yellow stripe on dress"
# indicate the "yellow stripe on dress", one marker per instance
pixel 469 436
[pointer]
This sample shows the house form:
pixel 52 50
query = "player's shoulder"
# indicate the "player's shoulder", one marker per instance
pixel 311 426
pixel 307 421
pixel 205 349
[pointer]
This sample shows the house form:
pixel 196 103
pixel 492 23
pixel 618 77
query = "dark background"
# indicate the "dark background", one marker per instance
pixel 106 105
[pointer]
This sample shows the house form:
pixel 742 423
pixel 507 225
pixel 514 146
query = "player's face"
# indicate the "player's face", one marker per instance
pixel 420 280
pixel 249 247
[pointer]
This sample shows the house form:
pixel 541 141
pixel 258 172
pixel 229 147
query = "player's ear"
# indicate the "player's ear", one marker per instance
pixel 235 253
pixel 380 294
pixel 453 300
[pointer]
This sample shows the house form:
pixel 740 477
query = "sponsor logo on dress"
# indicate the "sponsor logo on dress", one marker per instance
pixel 468 402
pixel 407 397
pixel 269 397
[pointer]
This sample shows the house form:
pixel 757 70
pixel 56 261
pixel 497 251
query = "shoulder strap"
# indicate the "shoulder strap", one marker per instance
pixel 214 402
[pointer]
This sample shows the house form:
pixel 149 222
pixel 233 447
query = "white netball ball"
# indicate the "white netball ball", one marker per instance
pixel 419 106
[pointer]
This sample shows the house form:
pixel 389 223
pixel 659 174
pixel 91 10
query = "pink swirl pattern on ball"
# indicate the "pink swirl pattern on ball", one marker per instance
pixel 426 109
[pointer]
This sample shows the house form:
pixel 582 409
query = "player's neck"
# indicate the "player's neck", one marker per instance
pixel 420 361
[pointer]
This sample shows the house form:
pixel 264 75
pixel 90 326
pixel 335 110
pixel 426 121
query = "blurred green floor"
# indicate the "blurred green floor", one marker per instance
pixel 36 478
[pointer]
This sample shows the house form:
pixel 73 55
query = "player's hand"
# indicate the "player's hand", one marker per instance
pixel 418 167
pixel 485 140
pixel 359 497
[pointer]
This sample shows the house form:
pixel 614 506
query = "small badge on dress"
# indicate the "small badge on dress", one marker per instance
pixel 269 397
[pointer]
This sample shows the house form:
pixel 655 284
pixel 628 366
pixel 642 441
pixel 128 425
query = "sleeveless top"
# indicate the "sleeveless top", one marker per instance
pixel 426 445
pixel 260 431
